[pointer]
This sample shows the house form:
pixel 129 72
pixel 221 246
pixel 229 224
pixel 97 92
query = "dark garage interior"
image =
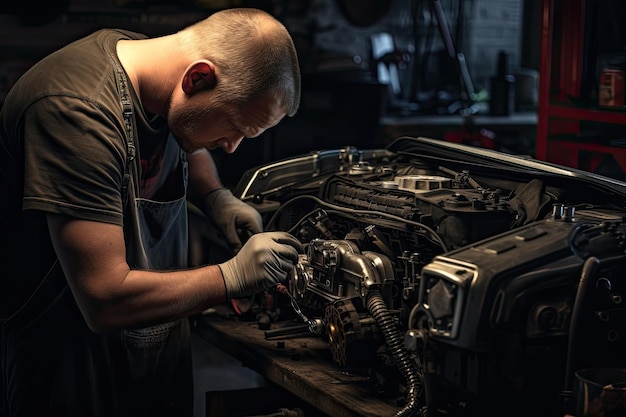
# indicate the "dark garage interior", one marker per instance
pixel 539 81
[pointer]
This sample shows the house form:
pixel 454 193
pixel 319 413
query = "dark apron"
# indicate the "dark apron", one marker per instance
pixel 159 357
pixel 156 239
pixel 53 365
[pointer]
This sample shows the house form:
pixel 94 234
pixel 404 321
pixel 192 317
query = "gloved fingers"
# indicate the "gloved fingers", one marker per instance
pixel 265 260
pixel 285 257
pixel 285 238
pixel 246 229
pixel 286 254
pixel 232 238
pixel 228 211
pixel 244 235
pixel 278 270
pixel 249 219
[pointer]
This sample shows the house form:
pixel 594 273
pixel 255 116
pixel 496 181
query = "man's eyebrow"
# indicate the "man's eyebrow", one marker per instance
pixel 236 126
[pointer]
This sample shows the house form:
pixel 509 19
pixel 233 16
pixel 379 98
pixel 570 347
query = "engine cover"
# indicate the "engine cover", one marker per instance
pixel 499 310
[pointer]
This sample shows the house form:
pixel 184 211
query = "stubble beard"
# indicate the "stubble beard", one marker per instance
pixel 181 124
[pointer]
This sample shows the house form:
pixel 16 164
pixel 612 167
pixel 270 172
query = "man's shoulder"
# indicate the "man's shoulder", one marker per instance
pixel 80 70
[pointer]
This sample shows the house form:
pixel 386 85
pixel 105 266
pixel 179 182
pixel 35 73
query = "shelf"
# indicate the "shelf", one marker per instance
pixel 577 136
pixel 518 119
pixel 617 116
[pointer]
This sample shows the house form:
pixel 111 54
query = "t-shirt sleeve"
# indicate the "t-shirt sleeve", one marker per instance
pixel 75 157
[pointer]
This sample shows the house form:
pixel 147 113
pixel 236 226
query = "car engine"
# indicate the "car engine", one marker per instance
pixel 465 280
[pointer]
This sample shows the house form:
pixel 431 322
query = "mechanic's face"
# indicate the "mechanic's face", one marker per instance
pixel 204 123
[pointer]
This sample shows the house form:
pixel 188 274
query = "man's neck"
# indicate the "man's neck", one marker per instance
pixel 151 65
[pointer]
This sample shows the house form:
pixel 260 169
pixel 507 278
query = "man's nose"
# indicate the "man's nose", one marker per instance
pixel 231 145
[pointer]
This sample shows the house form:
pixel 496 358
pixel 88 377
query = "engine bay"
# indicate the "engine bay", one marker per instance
pixel 461 280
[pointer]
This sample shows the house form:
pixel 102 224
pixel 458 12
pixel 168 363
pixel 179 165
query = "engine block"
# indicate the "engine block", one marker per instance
pixel 481 286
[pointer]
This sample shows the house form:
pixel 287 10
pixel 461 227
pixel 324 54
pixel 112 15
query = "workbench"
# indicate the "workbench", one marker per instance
pixel 300 364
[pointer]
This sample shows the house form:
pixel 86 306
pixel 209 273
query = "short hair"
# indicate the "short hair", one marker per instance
pixel 254 52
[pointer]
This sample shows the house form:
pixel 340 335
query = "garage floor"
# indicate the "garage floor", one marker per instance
pixel 215 370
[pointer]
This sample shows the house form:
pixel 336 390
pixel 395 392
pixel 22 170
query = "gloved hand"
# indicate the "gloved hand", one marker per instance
pixel 264 261
pixel 229 214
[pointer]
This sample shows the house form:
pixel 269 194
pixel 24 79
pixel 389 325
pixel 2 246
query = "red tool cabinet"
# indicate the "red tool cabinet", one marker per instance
pixel 560 138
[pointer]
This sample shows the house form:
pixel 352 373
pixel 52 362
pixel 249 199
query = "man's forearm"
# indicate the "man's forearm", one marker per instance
pixel 148 297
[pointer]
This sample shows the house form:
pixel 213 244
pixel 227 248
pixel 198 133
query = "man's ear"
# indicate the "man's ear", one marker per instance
pixel 199 76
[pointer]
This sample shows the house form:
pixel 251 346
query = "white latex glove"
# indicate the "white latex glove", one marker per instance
pixel 232 216
pixel 264 261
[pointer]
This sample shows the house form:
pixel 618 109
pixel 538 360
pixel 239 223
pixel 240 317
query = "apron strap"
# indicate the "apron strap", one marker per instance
pixel 129 123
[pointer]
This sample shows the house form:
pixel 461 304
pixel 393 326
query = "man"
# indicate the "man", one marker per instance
pixel 99 143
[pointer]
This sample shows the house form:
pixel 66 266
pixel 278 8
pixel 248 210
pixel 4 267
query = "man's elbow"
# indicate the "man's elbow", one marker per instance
pixel 99 316
pixel 100 324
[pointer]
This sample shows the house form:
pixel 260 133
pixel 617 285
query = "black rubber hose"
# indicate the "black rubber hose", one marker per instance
pixel 395 344
pixel 588 273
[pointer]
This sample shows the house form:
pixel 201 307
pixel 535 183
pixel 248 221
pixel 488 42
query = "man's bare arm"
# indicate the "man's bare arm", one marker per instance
pixel 110 295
